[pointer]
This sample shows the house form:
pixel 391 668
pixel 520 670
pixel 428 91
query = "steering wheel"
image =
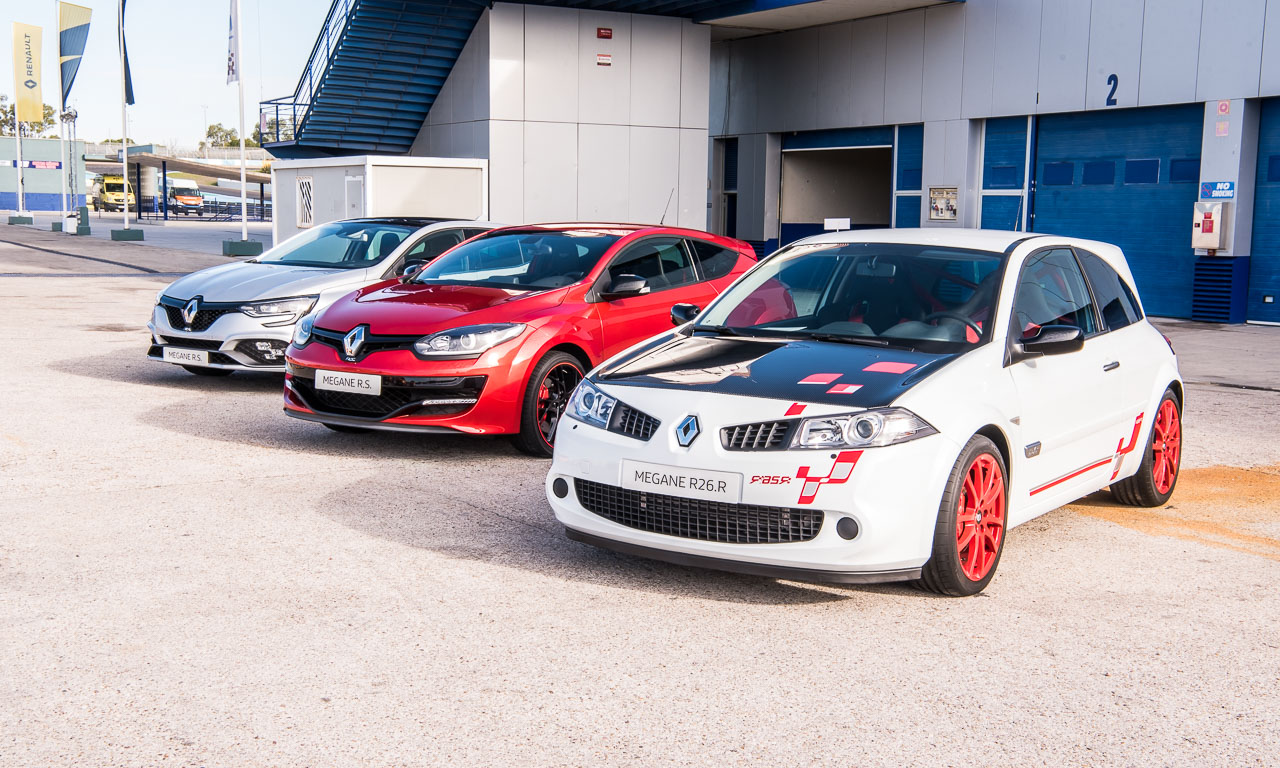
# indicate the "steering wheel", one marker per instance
pixel 955 316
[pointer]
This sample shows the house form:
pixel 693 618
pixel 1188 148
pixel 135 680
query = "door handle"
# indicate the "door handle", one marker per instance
pixel 1111 366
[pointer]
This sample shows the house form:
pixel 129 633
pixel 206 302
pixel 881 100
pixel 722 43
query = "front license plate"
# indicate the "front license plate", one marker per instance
pixel 679 481
pixel 358 383
pixel 186 356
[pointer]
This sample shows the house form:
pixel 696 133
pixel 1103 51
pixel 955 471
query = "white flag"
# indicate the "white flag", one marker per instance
pixel 233 46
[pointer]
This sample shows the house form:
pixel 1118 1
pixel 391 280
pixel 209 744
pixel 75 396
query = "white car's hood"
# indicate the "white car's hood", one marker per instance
pixel 249 281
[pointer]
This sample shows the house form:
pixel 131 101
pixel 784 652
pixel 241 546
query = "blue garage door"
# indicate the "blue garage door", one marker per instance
pixel 1128 177
pixel 1264 275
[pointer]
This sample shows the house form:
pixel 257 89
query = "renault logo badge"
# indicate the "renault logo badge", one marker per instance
pixel 352 342
pixel 190 310
pixel 687 431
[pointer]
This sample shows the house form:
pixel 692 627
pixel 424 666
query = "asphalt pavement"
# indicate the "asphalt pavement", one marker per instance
pixel 189 578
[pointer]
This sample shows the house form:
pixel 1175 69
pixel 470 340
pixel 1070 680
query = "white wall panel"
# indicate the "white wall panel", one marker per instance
pixel 655 172
pixel 904 77
pixel 1230 49
pixel 1170 38
pixel 695 74
pixel 867 70
pixel 718 118
pixel 979 56
pixel 692 194
pixel 743 85
pixel 1017 52
pixel 835 76
pixel 655 70
pixel 604 170
pixel 770 80
pixel 1115 48
pixel 506 171
pixel 550 171
pixel 1064 55
pixel 604 93
pixel 550 63
pixel 506 61
pixel 943 62
pixel 1270 81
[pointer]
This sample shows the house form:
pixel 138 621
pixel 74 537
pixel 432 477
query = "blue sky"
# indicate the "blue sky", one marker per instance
pixel 177 53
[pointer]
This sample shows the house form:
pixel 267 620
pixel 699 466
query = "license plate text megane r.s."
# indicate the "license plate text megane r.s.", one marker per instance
pixel 358 383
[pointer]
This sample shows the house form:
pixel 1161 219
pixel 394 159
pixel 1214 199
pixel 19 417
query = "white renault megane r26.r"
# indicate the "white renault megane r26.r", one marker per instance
pixel 876 406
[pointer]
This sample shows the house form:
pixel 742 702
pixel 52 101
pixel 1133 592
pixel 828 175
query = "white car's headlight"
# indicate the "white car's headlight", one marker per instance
pixel 865 429
pixel 466 343
pixel 302 331
pixel 591 406
pixel 287 310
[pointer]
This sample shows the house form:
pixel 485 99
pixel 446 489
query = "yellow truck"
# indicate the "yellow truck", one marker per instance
pixel 108 194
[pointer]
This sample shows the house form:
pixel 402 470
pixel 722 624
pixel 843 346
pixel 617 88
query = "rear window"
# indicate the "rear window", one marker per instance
pixel 715 261
pixel 1115 299
pixel 527 261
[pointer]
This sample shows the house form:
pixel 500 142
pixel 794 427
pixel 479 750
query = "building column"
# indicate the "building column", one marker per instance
pixel 952 156
pixel 1229 156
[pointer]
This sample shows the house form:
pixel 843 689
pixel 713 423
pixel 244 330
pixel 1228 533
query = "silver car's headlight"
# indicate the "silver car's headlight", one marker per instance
pixel 302 331
pixel 865 429
pixel 287 310
pixel 468 342
pixel 591 406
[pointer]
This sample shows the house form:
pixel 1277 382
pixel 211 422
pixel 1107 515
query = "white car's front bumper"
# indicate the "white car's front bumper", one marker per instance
pixel 892 494
pixel 231 341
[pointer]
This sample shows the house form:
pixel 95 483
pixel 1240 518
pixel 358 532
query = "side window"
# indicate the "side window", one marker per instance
pixel 1118 309
pixel 434 244
pixel 1051 291
pixel 467 234
pixel 663 261
pixel 715 262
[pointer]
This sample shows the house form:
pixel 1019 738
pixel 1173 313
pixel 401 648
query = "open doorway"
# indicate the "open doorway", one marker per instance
pixel 819 184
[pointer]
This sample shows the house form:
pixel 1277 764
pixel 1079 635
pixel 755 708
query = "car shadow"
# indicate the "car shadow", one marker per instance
pixel 130 365
pixel 462 512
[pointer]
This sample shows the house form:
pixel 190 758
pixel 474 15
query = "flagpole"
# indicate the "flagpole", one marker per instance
pixel 124 124
pixel 62 139
pixel 17 135
pixel 244 187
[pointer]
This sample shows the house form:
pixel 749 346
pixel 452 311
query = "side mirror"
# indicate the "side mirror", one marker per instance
pixel 1050 340
pixel 411 268
pixel 624 286
pixel 683 313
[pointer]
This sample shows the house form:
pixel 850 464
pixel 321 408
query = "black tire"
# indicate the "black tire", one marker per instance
pixel 945 573
pixel 202 371
pixel 344 429
pixel 537 433
pixel 1143 488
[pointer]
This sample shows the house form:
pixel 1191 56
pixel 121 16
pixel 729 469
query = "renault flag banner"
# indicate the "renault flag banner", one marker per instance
pixel 233 47
pixel 73 33
pixel 124 55
pixel 26 73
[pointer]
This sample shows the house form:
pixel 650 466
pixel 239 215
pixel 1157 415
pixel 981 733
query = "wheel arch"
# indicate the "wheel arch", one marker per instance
pixel 997 436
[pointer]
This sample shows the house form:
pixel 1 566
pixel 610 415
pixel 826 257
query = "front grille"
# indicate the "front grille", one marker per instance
pixel 448 396
pixel 371 344
pixel 205 315
pixel 698 518
pixel 632 423
pixel 273 355
pixel 761 436
pixel 173 341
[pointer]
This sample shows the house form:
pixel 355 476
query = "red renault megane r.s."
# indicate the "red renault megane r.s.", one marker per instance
pixel 493 336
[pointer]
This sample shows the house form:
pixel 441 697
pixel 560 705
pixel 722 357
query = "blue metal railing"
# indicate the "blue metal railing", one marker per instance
pixel 281 118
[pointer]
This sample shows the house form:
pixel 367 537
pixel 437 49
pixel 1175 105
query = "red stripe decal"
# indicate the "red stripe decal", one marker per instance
pixel 1078 472
pixel 885 366
pixel 820 378
pixel 796 409
pixel 844 389
pixel 1122 450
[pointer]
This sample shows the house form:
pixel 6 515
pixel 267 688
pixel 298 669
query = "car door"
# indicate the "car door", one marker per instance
pixel 665 263
pixel 1067 402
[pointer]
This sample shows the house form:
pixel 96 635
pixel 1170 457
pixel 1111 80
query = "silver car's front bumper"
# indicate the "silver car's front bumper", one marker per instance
pixel 231 341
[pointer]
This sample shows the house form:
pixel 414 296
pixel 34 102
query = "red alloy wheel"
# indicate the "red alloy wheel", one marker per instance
pixel 553 397
pixel 1166 448
pixel 980 517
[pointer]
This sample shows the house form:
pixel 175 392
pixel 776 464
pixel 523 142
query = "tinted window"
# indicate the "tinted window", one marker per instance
pixel 1113 296
pixel 1141 171
pixel 715 262
pixel 1058 174
pixel 340 244
pixel 435 244
pixel 663 262
pixel 1051 291
pixel 521 260
pixel 1100 172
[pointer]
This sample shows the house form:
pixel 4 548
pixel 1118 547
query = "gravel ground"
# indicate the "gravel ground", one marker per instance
pixel 187 577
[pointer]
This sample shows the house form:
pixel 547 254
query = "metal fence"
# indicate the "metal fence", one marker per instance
pixel 150 209
pixel 280 118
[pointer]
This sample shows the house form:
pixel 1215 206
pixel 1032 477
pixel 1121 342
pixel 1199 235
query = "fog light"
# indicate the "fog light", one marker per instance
pixel 559 487
pixel 847 528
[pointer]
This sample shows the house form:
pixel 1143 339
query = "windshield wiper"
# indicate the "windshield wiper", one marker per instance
pixel 842 339
pixel 719 330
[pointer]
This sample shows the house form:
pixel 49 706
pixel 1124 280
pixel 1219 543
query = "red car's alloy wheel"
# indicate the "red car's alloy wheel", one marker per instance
pixel 1166 447
pixel 553 397
pixel 980 521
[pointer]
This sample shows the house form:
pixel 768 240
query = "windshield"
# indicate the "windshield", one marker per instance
pixel 114 186
pixel 925 297
pixel 340 245
pixel 526 261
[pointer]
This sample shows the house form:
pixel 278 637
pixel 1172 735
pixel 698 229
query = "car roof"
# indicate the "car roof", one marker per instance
pixel 982 239
pixel 413 221
pixel 619 229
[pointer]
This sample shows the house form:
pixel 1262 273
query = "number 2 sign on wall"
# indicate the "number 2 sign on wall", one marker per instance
pixel 1114 82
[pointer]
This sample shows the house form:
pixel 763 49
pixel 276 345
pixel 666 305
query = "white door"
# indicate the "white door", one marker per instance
pixel 355 198
pixel 1069 404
